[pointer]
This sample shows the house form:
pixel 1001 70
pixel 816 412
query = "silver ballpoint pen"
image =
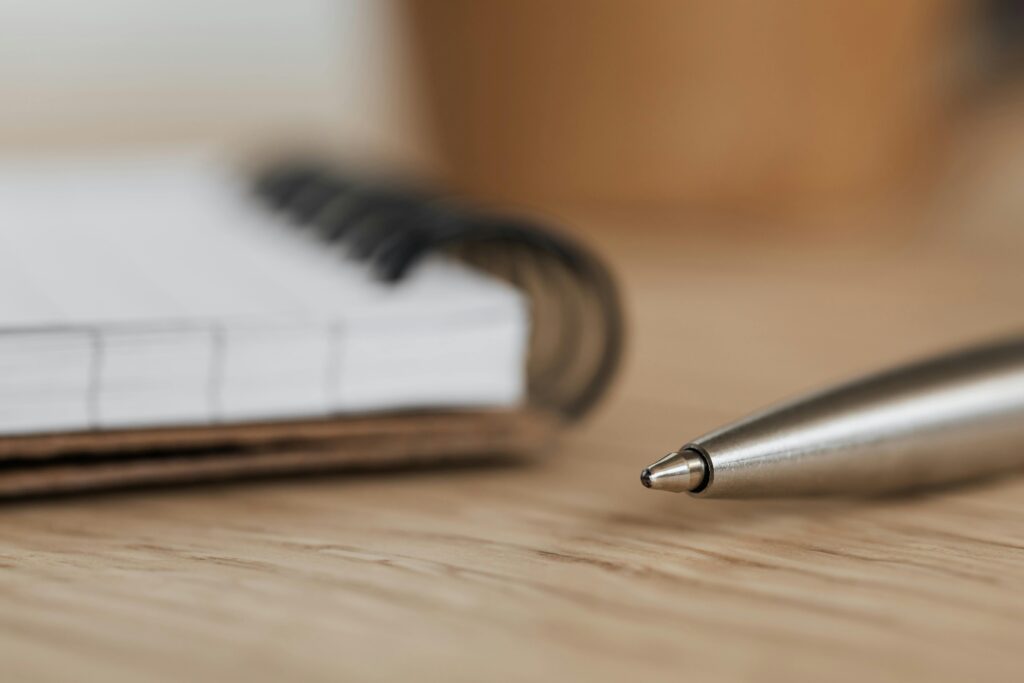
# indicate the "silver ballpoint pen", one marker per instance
pixel 936 422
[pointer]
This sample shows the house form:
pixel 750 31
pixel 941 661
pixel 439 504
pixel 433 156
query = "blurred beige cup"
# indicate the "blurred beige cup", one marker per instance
pixel 735 103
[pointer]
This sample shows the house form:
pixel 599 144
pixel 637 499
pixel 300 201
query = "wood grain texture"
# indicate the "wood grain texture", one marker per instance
pixel 567 568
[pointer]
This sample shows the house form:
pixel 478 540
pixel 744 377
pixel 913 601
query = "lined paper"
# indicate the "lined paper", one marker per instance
pixel 155 291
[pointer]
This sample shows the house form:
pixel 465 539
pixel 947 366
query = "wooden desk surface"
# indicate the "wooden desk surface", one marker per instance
pixel 567 568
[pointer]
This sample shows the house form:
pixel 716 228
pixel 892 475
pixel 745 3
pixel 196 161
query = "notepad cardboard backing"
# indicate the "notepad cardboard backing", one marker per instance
pixel 57 463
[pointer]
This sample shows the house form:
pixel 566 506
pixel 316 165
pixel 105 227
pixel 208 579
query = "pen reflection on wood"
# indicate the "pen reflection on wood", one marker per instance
pixel 935 422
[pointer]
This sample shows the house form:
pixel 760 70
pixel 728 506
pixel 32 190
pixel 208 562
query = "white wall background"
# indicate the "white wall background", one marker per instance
pixel 240 73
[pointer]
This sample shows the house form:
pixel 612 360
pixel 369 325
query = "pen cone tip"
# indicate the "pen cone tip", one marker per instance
pixel 678 471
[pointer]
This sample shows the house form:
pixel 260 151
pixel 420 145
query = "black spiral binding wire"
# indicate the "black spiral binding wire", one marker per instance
pixel 577 333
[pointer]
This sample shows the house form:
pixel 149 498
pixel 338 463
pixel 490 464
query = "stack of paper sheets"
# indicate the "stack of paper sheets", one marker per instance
pixel 156 291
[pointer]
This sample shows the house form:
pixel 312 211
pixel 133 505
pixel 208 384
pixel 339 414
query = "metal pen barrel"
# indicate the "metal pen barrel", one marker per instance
pixel 941 421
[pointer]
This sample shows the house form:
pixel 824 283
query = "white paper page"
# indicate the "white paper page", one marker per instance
pixel 168 296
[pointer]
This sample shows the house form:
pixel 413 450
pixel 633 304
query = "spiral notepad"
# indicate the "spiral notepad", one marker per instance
pixel 167 302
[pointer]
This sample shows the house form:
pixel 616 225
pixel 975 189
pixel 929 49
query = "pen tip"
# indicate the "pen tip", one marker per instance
pixel 678 471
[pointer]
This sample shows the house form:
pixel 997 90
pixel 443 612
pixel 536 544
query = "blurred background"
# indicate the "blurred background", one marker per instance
pixel 731 107
pixel 791 193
